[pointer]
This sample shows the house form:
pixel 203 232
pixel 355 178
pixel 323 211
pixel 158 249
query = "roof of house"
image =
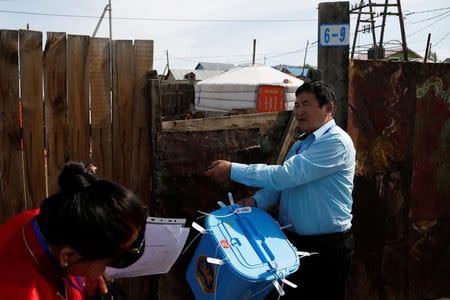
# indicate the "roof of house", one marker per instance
pixel 447 61
pixel 180 74
pixel 214 66
pixel 392 53
pixel 292 70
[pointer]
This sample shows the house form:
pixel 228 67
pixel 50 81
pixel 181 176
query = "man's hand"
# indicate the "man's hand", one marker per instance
pixel 250 201
pixel 219 170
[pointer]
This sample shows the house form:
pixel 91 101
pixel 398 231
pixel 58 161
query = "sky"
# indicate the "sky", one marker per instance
pixel 194 31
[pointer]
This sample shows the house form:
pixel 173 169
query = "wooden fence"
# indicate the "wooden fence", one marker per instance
pixel 57 102
pixel 56 105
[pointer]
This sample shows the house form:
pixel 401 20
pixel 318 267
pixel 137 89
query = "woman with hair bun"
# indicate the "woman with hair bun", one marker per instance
pixel 61 250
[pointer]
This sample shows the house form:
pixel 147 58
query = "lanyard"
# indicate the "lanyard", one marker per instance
pixel 297 151
pixel 49 254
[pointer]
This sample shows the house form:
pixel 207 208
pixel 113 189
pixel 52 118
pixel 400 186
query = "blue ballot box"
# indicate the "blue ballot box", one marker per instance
pixel 242 254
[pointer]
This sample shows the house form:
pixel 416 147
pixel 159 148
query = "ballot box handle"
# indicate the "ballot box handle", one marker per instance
pixel 251 233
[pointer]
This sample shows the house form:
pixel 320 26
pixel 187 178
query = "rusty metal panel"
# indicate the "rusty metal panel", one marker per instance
pixel 431 164
pixel 398 119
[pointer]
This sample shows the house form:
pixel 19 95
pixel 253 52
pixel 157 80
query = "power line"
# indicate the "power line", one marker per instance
pixel 427 11
pixel 448 33
pixel 162 19
pixel 428 19
pixel 267 54
pixel 447 14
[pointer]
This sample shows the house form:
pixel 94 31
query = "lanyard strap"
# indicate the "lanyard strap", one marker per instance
pixel 51 257
pixel 297 151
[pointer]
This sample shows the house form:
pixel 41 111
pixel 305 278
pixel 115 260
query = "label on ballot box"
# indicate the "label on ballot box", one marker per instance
pixel 242 254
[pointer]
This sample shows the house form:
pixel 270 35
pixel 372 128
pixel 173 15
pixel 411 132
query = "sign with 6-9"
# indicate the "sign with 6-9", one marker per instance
pixel 332 35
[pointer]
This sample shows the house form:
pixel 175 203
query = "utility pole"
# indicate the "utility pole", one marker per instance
pixel 378 52
pixel 306 52
pixel 429 52
pixel 372 24
pixel 167 57
pixel 254 51
pixel 383 24
pixel 357 27
pixel 402 28
pixel 425 58
pixel 334 32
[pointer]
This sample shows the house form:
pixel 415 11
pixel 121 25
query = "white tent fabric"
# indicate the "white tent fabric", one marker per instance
pixel 238 88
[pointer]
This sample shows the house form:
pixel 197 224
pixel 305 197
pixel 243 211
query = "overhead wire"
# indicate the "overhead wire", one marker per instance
pixel 429 25
pixel 426 11
pixel 162 19
pixel 428 19
pixel 448 33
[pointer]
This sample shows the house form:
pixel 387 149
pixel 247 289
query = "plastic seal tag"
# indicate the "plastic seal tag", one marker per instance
pixel 221 204
pixel 214 261
pixel 243 210
pixel 305 254
pixel 278 287
pixel 198 228
pixel 287 282
pixel 230 197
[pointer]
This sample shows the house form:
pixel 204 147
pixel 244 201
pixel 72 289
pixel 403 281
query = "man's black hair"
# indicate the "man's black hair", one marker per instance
pixel 324 94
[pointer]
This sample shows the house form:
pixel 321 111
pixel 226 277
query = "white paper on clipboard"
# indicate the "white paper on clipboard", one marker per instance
pixel 164 240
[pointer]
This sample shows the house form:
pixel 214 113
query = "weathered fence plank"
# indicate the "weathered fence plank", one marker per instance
pixel 30 43
pixel 55 91
pixel 12 198
pixel 138 288
pixel 140 181
pixel 101 106
pixel 78 91
pixel 121 111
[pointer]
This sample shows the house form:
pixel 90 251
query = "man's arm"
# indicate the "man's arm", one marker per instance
pixel 321 160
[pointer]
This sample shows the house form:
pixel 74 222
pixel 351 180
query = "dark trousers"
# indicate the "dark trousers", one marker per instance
pixel 323 275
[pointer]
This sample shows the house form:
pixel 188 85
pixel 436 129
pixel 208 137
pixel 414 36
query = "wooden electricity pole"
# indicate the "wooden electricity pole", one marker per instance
pixel 334 52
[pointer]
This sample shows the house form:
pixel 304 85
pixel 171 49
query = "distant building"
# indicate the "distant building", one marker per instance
pixel 214 66
pixel 392 54
pixel 295 71
pixel 189 75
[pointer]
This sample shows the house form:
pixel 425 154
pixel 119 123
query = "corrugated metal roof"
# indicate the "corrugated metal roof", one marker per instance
pixel 297 71
pixel 180 74
pixel 214 66
pixel 292 70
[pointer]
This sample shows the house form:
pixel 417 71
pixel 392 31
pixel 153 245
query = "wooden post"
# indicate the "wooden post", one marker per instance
pixel 402 30
pixel 30 57
pixel 334 52
pixel 254 51
pixel 426 50
pixel 55 89
pixel 155 127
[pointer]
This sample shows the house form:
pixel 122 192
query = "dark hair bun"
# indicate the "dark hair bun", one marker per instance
pixel 74 177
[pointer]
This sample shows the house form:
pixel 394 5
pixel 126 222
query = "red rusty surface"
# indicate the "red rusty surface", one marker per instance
pixel 399 122
pixel 431 150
